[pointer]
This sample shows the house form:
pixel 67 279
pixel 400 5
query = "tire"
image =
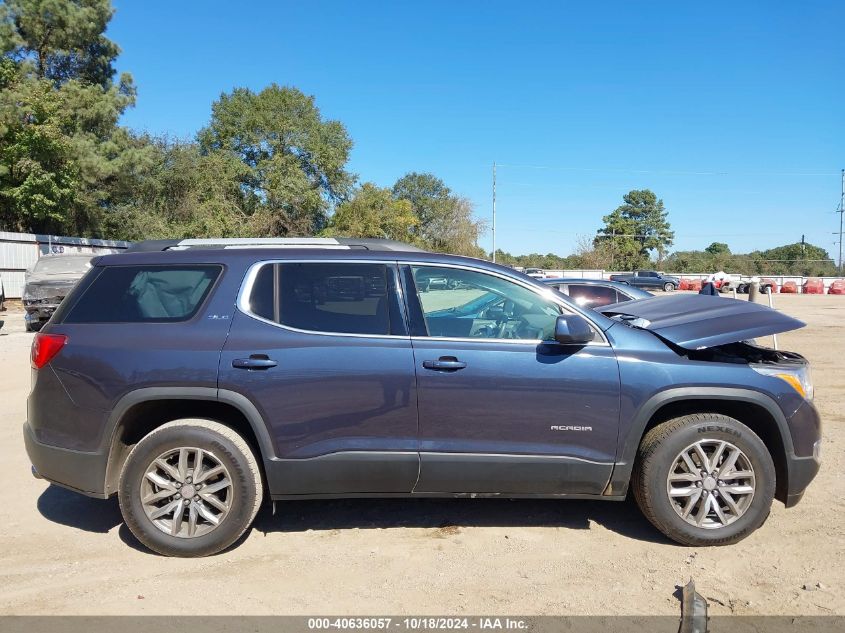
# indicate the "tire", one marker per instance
pixel 664 444
pixel 33 327
pixel 668 287
pixel 240 499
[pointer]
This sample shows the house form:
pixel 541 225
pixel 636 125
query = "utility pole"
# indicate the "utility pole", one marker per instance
pixel 841 214
pixel 494 211
pixel 613 249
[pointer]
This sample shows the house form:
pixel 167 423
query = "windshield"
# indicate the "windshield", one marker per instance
pixel 57 264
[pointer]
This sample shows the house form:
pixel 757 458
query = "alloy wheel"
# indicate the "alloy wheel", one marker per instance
pixel 186 492
pixel 711 484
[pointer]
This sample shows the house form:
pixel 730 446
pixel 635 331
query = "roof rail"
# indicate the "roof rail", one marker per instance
pixel 340 243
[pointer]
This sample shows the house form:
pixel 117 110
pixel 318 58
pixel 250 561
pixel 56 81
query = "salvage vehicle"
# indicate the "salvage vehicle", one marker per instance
pixel 742 286
pixel 46 284
pixel 592 293
pixel 193 379
pixel 648 279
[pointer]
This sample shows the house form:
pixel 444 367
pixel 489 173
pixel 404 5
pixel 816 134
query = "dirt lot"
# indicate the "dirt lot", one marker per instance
pixel 63 553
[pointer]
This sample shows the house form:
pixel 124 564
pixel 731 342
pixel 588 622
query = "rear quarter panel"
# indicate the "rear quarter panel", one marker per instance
pixel 103 362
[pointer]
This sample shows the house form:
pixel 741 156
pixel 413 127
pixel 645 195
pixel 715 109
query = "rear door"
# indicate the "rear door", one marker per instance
pixel 322 350
pixel 502 408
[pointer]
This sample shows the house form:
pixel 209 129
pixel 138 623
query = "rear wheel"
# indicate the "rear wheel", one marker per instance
pixel 704 479
pixel 190 488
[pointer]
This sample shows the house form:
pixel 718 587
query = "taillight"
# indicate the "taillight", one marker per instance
pixel 45 347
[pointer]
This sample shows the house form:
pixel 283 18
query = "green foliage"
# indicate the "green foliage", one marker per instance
pixel 549 261
pixel 635 229
pixel 294 160
pixel 60 146
pixel 175 191
pixel 718 248
pixel 446 221
pixel 266 164
pixel 792 259
pixel 60 40
pixel 374 212
pixel 797 259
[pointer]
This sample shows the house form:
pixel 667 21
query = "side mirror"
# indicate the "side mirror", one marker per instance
pixel 573 329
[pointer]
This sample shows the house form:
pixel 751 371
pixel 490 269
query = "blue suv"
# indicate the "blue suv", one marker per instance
pixel 196 378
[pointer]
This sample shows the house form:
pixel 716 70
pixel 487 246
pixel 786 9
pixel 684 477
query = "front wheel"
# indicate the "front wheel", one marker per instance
pixel 668 287
pixel 704 479
pixel 190 488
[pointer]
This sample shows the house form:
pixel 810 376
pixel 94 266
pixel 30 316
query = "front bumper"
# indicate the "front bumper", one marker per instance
pixel 38 313
pixel 802 470
pixel 803 464
pixel 76 470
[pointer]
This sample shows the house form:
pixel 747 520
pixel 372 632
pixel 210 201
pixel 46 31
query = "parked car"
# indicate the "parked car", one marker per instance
pixel 46 284
pixel 537 273
pixel 193 381
pixel 649 279
pixel 593 293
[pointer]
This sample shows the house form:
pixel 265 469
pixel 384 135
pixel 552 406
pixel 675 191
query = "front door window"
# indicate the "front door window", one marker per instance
pixel 460 303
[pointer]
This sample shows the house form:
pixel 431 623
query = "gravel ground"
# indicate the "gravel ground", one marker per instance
pixel 61 553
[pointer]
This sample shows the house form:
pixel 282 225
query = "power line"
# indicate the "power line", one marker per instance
pixel 667 172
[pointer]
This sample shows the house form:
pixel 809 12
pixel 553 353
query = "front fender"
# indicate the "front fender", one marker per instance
pixel 629 442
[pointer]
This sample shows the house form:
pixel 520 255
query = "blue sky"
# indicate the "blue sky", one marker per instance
pixel 732 112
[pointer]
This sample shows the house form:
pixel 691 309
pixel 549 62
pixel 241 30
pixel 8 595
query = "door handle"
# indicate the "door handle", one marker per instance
pixel 256 361
pixel 444 363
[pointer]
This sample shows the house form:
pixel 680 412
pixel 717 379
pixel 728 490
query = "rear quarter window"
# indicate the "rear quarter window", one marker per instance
pixel 144 294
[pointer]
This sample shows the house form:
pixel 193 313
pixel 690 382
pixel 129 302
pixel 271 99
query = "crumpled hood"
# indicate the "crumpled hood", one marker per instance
pixel 700 321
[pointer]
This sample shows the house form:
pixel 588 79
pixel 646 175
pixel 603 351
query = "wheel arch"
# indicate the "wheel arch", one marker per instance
pixel 143 410
pixel 756 410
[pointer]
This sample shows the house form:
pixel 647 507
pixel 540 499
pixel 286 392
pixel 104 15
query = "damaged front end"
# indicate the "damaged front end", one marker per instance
pixel 48 282
pixel 720 330
pixel 40 300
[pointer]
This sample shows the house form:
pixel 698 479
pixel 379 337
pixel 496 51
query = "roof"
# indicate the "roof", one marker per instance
pixel 240 256
pixel 329 243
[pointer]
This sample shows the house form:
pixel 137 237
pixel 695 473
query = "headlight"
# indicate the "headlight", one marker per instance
pixel 798 378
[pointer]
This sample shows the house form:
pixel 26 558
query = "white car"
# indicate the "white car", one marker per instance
pixel 537 273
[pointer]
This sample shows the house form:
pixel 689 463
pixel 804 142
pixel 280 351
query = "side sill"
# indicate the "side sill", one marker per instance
pixel 446 495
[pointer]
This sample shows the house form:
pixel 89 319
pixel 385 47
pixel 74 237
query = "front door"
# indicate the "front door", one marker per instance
pixel 322 350
pixel 502 407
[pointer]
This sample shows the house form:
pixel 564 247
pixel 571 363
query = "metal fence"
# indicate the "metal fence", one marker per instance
pixel 605 274
pixel 19 251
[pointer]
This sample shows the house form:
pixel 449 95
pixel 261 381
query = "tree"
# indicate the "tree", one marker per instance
pixel 60 146
pixel 374 212
pixel 62 40
pixel 178 192
pixel 796 259
pixel 718 248
pixel 295 161
pixel 637 228
pixel 446 221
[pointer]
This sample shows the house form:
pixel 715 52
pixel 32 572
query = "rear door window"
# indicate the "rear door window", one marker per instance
pixel 330 298
pixel 144 294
